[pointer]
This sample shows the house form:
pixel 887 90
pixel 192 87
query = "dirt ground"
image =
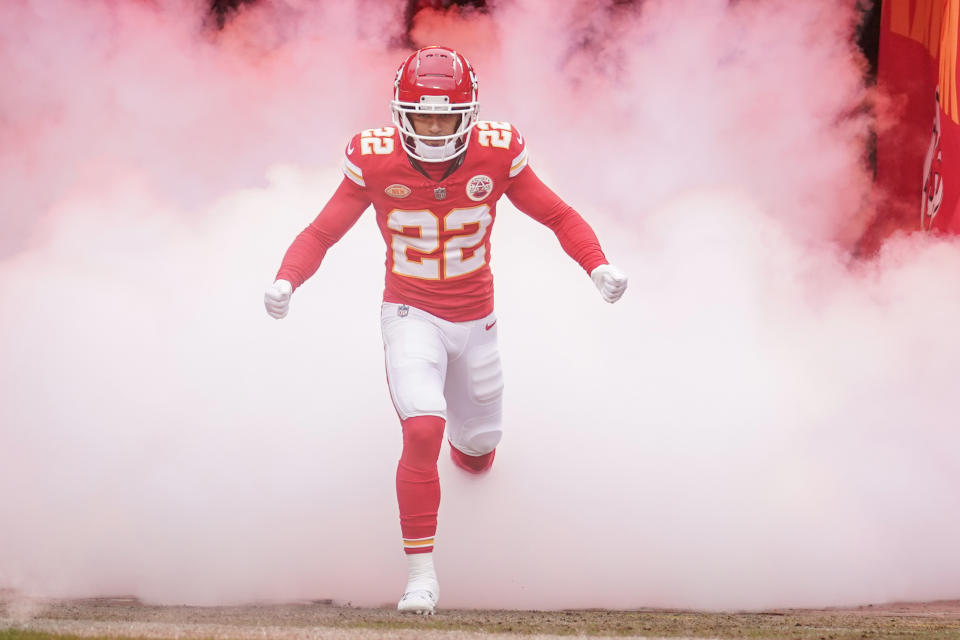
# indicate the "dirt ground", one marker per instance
pixel 128 618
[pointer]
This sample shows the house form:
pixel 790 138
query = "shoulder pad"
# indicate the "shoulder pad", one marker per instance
pixel 368 143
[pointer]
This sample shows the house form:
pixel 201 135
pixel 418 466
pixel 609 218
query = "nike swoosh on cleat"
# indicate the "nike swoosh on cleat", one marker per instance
pixel 490 326
pixel 350 149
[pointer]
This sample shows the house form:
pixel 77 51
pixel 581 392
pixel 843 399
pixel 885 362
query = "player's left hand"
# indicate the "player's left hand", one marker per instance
pixel 610 281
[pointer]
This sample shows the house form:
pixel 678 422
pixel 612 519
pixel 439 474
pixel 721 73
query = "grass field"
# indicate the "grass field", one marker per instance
pixel 123 618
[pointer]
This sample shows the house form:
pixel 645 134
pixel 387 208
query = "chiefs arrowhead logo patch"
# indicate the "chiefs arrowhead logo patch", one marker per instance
pixel 479 187
pixel 397 191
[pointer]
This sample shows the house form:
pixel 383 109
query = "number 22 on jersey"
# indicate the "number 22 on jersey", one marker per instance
pixel 494 134
pixel 453 261
pixel 377 141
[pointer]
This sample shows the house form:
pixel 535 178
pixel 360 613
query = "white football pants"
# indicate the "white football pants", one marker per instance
pixel 446 369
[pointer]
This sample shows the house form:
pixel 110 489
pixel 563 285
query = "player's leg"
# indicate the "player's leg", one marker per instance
pixel 418 483
pixel 416 362
pixel 474 393
pixel 418 496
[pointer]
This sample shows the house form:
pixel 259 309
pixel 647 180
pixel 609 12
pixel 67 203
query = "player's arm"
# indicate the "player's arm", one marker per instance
pixel 304 256
pixel 531 196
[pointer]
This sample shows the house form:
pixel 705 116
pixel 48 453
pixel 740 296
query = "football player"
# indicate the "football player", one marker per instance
pixel 434 178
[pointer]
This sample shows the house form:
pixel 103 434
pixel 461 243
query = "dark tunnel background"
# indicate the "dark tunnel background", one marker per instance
pixel 868 36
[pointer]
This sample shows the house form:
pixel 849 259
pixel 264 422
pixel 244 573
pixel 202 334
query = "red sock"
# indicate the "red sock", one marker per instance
pixel 418 483
pixel 473 464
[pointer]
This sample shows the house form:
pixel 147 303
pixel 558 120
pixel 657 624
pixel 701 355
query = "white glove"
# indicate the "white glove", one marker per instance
pixel 277 298
pixel 610 281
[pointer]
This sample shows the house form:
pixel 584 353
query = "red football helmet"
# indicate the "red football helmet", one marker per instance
pixel 435 80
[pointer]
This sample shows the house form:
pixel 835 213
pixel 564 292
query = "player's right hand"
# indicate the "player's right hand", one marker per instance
pixel 610 281
pixel 277 298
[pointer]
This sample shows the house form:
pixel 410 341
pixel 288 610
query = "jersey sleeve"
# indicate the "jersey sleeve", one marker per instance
pixel 352 168
pixel 518 153
pixel 531 196
pixel 341 212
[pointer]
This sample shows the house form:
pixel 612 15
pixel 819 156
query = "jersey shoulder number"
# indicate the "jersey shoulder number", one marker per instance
pixel 503 135
pixel 367 143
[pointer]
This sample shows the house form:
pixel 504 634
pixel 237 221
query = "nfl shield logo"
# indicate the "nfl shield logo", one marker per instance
pixel 403 310
pixel 440 193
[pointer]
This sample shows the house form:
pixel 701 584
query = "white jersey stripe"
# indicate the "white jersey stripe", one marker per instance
pixel 353 172
pixel 518 163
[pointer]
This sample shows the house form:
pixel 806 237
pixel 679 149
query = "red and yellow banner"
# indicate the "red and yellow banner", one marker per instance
pixel 918 150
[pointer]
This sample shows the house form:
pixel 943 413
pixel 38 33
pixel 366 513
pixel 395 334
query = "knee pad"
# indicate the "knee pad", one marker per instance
pixel 479 437
pixel 483 442
pixel 485 374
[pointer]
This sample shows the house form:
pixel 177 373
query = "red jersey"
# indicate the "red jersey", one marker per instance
pixel 437 227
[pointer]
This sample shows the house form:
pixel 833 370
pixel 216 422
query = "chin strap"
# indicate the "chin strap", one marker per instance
pixel 437 154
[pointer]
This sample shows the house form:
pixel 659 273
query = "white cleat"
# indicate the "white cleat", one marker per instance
pixel 423 590
pixel 419 600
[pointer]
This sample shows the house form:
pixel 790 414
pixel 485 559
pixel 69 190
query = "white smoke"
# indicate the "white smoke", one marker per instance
pixel 757 422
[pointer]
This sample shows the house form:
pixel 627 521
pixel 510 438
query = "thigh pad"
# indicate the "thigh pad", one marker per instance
pixel 416 363
pixel 485 374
